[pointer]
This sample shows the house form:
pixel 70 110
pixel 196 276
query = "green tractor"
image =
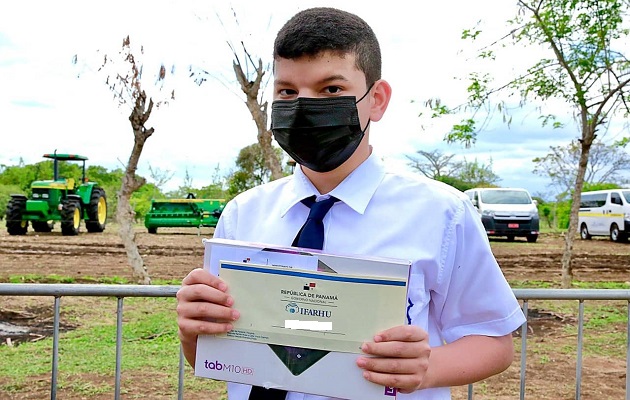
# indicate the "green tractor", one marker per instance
pixel 60 199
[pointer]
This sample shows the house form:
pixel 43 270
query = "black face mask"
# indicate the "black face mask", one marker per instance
pixel 319 133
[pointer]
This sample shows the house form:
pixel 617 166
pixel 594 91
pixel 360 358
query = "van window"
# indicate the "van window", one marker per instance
pixel 591 200
pixel 626 195
pixel 505 197
pixel 615 198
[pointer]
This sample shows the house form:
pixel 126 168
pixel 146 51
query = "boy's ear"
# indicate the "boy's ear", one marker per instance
pixel 381 93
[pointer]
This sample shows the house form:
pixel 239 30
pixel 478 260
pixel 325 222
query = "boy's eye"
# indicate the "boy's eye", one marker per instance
pixel 332 89
pixel 287 92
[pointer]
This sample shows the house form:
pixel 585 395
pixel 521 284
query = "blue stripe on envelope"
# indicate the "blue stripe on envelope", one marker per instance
pixel 302 274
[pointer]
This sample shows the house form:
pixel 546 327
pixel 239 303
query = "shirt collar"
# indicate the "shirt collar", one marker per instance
pixel 356 190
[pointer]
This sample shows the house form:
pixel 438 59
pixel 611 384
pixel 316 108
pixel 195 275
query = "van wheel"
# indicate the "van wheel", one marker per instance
pixel 616 235
pixel 532 238
pixel 584 232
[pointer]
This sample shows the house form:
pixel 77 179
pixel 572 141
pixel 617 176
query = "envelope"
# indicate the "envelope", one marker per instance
pixel 317 310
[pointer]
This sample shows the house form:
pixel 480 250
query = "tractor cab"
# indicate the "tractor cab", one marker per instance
pixel 67 183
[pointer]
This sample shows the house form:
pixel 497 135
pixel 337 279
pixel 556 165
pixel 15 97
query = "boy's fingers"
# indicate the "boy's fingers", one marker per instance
pixel 192 328
pixel 403 333
pixel 389 365
pixel 201 276
pixel 397 349
pixel 206 311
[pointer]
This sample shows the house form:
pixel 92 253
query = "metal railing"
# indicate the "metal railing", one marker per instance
pixel 121 291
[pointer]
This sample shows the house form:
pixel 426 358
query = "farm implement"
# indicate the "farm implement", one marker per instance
pixel 188 213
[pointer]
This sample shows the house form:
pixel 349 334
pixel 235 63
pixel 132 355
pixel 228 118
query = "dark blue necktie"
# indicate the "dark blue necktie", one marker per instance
pixel 310 236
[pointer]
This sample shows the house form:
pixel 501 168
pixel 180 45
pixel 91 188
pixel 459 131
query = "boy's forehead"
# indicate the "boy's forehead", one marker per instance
pixel 319 66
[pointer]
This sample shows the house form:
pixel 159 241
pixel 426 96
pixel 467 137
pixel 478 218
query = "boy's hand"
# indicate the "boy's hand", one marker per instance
pixel 203 306
pixel 402 358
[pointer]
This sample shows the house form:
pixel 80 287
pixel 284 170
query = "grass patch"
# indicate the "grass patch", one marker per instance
pixel 87 355
pixel 600 285
pixel 34 278
pixel 604 329
pixel 534 284
pixel 149 335
pixel 528 284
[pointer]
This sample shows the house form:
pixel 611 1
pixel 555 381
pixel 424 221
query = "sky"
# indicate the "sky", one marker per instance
pixel 49 103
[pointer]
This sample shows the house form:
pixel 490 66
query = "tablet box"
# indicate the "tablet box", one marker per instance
pixel 333 374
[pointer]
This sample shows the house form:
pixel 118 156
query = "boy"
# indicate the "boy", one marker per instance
pixel 327 90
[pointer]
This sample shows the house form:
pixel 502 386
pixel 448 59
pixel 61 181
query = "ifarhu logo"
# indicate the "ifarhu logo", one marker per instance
pixel 292 308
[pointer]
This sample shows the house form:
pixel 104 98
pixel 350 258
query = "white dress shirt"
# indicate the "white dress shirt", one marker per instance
pixel 456 288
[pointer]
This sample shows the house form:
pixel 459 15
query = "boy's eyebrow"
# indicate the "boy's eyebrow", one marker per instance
pixel 328 79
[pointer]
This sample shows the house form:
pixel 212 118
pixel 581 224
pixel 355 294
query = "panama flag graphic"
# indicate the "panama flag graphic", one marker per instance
pixel 309 286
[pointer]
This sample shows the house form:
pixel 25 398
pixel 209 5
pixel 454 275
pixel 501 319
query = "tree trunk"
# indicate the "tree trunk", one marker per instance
pixel 130 183
pixel 259 115
pixel 588 135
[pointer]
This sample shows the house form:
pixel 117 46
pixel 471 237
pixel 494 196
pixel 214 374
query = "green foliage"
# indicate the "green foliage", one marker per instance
pixel 238 182
pixel 23 174
pixel 589 187
pixel 546 213
pixel 251 170
pixel 478 174
pixel 212 191
pixel 465 132
pixel 563 213
pixel 141 199
pixel 455 182
pixel 105 178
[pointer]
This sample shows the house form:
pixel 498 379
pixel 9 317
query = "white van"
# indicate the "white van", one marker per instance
pixel 605 213
pixel 507 212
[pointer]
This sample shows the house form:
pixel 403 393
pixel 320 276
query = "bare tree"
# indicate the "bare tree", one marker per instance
pixel 251 77
pixel 250 85
pixel 160 177
pixel 434 164
pixel 126 84
pixel 606 163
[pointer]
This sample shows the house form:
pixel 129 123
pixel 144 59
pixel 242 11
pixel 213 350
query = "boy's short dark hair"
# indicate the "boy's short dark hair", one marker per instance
pixel 315 30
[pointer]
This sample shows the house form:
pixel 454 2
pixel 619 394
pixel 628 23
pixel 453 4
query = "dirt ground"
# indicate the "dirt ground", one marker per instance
pixel 172 253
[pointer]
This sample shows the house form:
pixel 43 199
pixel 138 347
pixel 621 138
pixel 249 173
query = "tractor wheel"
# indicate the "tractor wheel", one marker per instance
pixel 15 224
pixel 70 218
pixel 152 230
pixel 96 211
pixel 42 226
